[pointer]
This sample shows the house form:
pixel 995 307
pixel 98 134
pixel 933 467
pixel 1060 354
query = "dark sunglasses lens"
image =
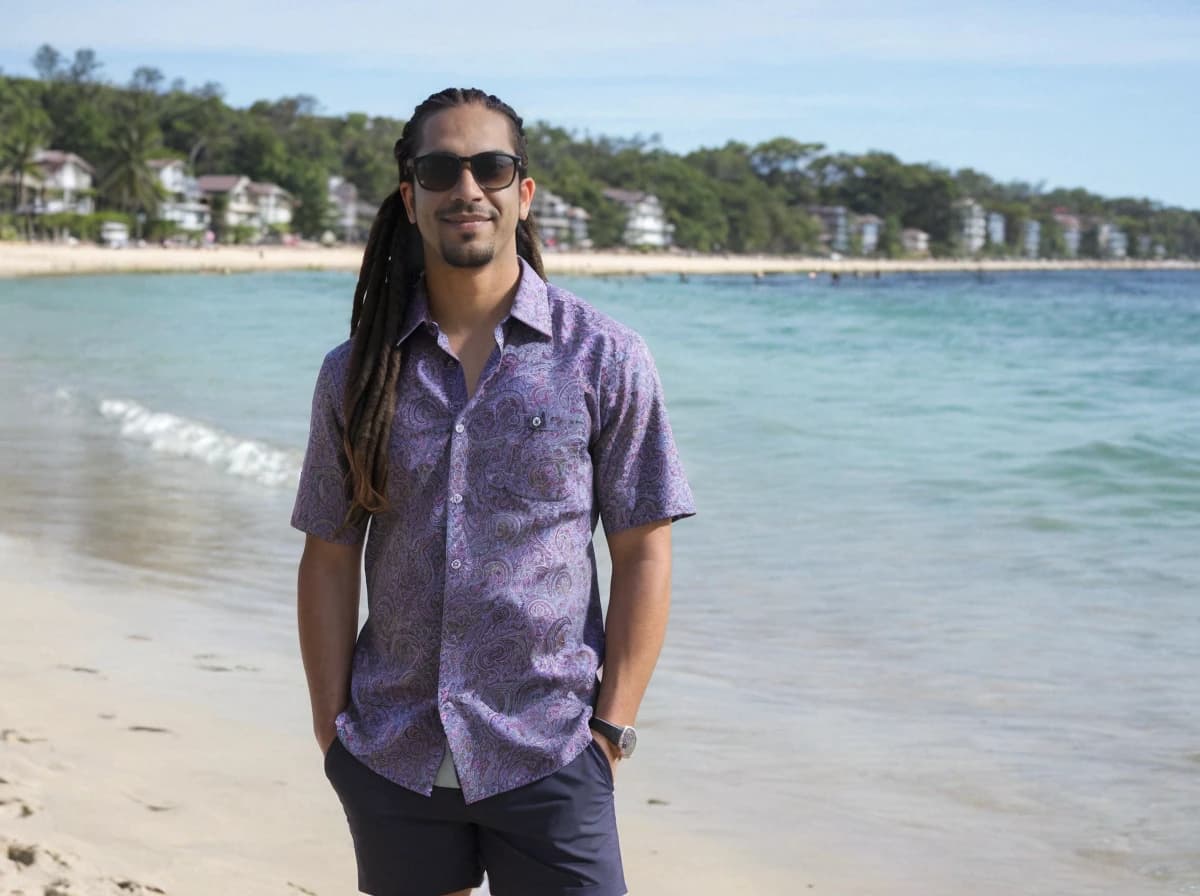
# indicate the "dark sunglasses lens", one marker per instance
pixel 492 170
pixel 438 172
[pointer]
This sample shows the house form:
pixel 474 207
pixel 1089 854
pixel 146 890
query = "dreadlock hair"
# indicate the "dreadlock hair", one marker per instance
pixel 392 264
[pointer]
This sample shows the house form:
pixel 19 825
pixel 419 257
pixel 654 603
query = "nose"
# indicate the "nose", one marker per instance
pixel 466 184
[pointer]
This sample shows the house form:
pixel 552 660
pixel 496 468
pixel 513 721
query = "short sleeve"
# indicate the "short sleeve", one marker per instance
pixel 639 477
pixel 322 499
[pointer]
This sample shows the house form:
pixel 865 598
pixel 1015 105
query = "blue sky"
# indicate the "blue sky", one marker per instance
pixel 1096 94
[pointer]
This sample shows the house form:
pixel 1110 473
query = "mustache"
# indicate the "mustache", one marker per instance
pixel 461 207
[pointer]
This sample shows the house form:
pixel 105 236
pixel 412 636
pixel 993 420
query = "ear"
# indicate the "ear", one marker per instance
pixel 406 193
pixel 527 187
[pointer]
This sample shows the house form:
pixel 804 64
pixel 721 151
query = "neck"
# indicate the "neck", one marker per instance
pixel 462 299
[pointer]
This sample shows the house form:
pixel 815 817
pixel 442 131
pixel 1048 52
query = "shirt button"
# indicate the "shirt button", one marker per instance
pixel 456 499
pixel 458 427
pixel 536 421
pixel 455 564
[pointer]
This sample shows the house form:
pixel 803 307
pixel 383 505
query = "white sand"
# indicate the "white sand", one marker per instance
pixel 35 259
pixel 140 754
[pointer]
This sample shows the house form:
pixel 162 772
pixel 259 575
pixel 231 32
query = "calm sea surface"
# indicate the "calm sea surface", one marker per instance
pixel 940 610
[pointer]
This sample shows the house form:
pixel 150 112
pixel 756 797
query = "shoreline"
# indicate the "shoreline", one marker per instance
pixel 51 260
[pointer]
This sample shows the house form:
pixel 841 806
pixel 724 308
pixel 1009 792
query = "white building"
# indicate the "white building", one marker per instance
pixel 64 183
pixel 1071 231
pixel 184 206
pixel 972 226
pixel 344 210
pixel 868 227
pixel 914 241
pixel 835 226
pixel 247 204
pixel 558 222
pixel 646 223
pixel 240 210
pixel 995 229
pixel 274 204
pixel 1031 239
pixel 1112 240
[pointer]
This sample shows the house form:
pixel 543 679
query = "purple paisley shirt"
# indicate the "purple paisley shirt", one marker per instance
pixel 484 628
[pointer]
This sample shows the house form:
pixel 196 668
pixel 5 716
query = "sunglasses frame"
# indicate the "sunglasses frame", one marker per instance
pixel 466 162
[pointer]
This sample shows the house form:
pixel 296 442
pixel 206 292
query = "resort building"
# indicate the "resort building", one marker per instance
pixel 1112 241
pixel 274 204
pixel 184 203
pixel 646 222
pixel 1031 239
pixel 868 228
pixel 64 183
pixel 835 226
pixel 262 206
pixel 234 190
pixel 972 226
pixel 558 222
pixel 350 217
pixel 1072 231
pixel 995 229
pixel 914 242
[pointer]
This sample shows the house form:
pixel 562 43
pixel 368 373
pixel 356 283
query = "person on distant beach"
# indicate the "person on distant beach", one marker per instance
pixel 470 433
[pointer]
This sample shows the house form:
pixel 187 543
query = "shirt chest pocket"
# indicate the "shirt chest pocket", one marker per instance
pixel 546 456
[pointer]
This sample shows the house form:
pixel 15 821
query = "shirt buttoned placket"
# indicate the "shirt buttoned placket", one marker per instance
pixel 457 554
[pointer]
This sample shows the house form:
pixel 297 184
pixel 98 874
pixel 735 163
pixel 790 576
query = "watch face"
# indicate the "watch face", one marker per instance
pixel 628 742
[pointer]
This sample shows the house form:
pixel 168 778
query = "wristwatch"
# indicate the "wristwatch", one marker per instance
pixel 623 736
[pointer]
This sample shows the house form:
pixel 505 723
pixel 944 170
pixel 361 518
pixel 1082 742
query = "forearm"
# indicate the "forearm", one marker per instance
pixel 327 615
pixel 636 625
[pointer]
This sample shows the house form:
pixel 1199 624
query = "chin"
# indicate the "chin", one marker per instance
pixel 468 256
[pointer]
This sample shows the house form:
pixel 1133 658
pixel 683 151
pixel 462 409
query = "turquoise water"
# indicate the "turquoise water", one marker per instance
pixel 943 595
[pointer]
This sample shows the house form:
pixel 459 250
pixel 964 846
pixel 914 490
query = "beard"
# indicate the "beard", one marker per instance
pixel 468 255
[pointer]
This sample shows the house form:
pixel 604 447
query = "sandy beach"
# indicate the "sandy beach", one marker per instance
pixel 140 753
pixel 40 259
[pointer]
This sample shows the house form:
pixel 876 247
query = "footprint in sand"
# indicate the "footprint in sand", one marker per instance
pixel 13 734
pixel 150 729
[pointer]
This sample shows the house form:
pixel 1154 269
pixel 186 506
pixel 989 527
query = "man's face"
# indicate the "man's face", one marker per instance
pixel 467 226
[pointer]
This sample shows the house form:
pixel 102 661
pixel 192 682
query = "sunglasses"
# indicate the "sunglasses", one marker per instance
pixel 439 171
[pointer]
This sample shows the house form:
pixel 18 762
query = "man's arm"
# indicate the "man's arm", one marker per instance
pixel 638 605
pixel 327 613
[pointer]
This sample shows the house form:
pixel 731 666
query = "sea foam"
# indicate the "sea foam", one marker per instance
pixel 181 437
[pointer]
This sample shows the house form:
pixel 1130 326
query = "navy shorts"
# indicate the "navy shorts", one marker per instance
pixel 554 836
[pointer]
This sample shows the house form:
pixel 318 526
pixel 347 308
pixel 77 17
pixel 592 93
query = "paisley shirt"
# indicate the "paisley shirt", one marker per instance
pixel 484 628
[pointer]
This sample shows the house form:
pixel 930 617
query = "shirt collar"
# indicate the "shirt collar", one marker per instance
pixel 531 305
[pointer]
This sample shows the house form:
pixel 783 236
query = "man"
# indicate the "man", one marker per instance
pixel 473 429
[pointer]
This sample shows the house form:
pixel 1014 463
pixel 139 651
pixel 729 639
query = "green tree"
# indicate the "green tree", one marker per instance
pixel 24 127
pixel 129 184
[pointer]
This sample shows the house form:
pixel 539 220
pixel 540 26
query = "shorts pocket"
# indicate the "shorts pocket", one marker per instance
pixel 598 754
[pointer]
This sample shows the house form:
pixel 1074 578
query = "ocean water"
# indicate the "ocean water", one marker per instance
pixel 939 613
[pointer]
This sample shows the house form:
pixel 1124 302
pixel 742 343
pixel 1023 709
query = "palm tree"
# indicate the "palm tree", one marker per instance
pixel 24 128
pixel 129 184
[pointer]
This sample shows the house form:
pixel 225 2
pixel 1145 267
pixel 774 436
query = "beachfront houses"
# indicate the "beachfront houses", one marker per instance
pixel 646 223
pixel 971 233
pixel 867 229
pixel 1111 241
pixel 1031 239
pixel 183 204
pixel 1072 231
pixel 559 223
pixel 995 229
pixel 261 207
pixel 914 242
pixel 350 217
pixel 835 227
pixel 274 206
pixel 63 183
